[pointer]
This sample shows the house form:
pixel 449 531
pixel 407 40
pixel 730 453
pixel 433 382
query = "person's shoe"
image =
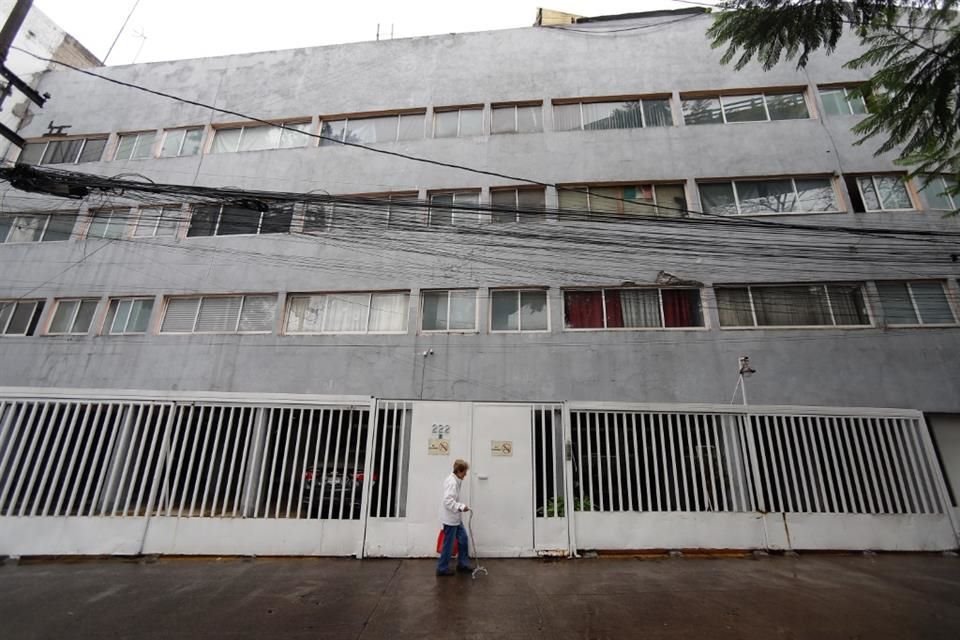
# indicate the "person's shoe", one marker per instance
pixel 464 569
pixel 444 574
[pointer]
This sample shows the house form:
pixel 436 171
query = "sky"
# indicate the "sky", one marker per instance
pixel 175 29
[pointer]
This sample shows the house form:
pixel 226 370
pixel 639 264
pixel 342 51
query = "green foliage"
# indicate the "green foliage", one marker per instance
pixel 556 509
pixel 913 49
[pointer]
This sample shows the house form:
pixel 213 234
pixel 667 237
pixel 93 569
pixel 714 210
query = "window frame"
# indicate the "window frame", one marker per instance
pixel 476 311
pixel 516 106
pixel 838 200
pixel 366 332
pixel 256 125
pixel 621 185
pixel 347 119
pixel 873 176
pixel 73 317
pixel 258 232
pixel 459 110
pixel 659 290
pixel 615 100
pixel 941 180
pixel 200 298
pixel 871 321
pixel 453 210
pixel 34 321
pixel 46 225
pixel 519 291
pixel 763 94
pixel 179 154
pixel 123 214
pixel 163 209
pixel 76 160
pixel 916 308
pixel 846 101
pixel 518 215
pixel 106 330
pixel 136 145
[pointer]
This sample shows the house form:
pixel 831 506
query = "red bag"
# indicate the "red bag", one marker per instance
pixel 456 547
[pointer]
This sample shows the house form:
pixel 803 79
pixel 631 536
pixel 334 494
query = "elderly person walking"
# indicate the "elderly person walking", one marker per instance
pixel 450 516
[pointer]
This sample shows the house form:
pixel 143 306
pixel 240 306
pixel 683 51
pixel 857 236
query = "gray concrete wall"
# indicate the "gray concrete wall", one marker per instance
pixel 915 368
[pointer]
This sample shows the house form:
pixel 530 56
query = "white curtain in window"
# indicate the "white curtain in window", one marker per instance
pixel 291 136
pixel 566 117
pixel 411 126
pixel 305 314
pixel 346 312
pixel 225 140
pixel 257 313
pixel 640 308
pixel 26 229
pixel 388 312
pixel 259 138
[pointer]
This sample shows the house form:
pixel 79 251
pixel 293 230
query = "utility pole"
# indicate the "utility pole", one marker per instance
pixel 9 31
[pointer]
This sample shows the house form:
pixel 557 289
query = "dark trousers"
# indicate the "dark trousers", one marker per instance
pixel 463 557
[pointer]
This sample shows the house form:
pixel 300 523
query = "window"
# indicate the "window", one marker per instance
pixel 842 101
pixel 807 305
pixel 458 123
pixel 108 224
pixel 73 317
pixel 70 151
pixel 36 228
pixel 232 220
pixel 915 303
pixel 19 317
pixel 374 129
pixel 181 142
pixel 453 310
pixel 638 199
pixel 517 118
pixel 260 137
pixel 756 107
pixel 219 314
pixel 454 208
pixel 518 205
pixel 128 316
pixel 630 114
pixel 157 222
pixel 879 193
pixel 760 197
pixel 519 310
pixel 631 308
pixel 135 146
pixel 936 193
pixel 348 313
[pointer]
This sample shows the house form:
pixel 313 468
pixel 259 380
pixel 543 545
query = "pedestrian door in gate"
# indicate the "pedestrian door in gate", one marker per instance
pixel 501 484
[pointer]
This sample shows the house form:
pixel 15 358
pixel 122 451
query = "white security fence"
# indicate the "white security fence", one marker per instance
pixel 730 477
pixel 128 473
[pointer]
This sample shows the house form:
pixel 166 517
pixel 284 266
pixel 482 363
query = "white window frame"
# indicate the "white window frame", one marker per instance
pixel 873 181
pixel 107 330
pixel 46 224
pixel 112 215
pixel 766 109
pixel 476 312
pixel 186 130
pixel 73 317
pixel 516 117
pixel 136 145
pixel 6 325
pixel 916 308
pixel 519 329
pixel 516 200
pixel 367 331
pixel 826 290
pixel 243 129
pixel 846 100
pixel 643 116
pixel 243 301
pixel 156 224
pixel 396 129
pixel 939 179
pixel 76 160
pixel 453 211
pixel 587 188
pixel 796 193
pixel 460 110
pixel 603 299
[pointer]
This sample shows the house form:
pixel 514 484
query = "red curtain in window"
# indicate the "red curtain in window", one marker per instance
pixel 614 309
pixel 681 308
pixel 583 309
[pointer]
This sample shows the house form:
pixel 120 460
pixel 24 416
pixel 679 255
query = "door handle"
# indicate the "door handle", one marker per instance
pixel 482 477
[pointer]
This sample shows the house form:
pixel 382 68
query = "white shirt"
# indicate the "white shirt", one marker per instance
pixel 450 505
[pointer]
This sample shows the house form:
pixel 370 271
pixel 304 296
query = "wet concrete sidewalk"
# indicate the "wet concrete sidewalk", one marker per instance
pixel 811 596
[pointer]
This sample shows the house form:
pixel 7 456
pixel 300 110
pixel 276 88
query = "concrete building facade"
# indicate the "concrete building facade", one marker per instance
pixel 773 235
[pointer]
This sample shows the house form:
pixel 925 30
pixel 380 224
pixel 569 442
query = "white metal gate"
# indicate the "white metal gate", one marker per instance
pixel 761 477
pixel 190 474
